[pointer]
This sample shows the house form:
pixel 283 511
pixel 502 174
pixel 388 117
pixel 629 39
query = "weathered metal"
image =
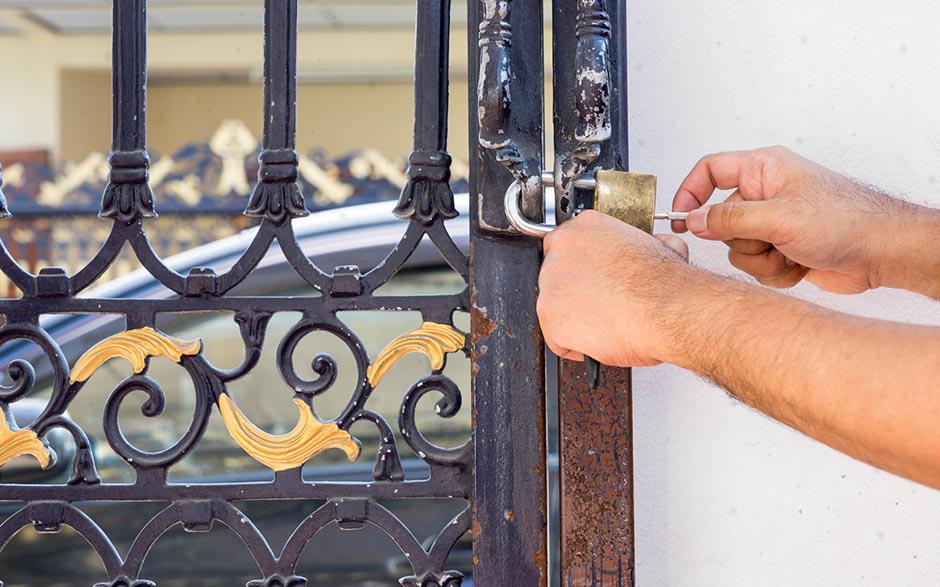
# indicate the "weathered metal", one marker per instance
pixel 509 513
pixel 595 427
pixel 128 202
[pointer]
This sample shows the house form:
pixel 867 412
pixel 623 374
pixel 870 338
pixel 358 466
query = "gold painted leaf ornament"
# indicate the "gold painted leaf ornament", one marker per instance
pixel 288 451
pixel 14 443
pixel 135 346
pixel 432 339
pixel 308 438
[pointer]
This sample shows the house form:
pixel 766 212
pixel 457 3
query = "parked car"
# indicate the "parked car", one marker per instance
pixel 360 235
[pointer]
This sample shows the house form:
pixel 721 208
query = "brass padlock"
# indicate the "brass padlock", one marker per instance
pixel 627 196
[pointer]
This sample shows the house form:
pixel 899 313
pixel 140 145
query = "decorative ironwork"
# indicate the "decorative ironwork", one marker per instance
pixel 432 339
pixel 288 451
pixel 277 195
pixel 128 196
pixel 427 195
pixel 128 201
pixel 134 345
pixel 15 443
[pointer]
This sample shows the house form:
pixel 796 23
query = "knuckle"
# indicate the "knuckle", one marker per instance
pixel 727 214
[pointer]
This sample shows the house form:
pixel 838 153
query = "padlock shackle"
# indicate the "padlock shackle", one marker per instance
pixel 514 211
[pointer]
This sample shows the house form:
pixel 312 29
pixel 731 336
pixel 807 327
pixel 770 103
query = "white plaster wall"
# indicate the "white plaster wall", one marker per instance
pixel 724 496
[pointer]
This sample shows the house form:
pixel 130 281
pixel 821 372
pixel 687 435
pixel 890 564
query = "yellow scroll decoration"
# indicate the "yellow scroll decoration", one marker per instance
pixel 135 346
pixel 432 339
pixel 308 438
pixel 14 443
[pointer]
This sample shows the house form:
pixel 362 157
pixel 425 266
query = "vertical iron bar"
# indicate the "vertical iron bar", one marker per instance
pixel 128 196
pixel 596 460
pixel 277 196
pixel 427 195
pixel 509 508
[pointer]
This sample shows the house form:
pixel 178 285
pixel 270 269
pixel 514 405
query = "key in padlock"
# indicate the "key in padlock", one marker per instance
pixel 627 196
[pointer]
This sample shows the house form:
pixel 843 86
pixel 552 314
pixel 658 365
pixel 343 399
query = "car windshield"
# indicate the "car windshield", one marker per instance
pixel 264 396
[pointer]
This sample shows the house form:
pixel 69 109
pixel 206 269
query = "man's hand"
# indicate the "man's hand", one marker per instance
pixel 602 285
pixel 791 219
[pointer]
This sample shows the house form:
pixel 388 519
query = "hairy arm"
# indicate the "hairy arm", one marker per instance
pixel 865 387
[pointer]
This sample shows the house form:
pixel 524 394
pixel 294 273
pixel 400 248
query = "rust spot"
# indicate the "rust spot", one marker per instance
pixel 480 326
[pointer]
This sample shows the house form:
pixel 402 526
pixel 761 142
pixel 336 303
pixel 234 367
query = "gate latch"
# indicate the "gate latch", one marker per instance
pixel 627 196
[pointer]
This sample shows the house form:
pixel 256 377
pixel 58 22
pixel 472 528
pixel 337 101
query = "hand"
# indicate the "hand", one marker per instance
pixel 600 289
pixel 791 219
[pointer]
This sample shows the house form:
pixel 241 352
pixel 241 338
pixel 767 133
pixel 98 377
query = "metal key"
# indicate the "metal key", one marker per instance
pixel 627 196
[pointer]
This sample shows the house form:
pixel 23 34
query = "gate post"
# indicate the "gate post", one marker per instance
pixel 595 426
pixel 508 369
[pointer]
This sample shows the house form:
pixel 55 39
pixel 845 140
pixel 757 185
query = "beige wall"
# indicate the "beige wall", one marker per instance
pixel 335 117
pixel 58 90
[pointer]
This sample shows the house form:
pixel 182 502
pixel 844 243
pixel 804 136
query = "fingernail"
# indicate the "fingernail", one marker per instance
pixel 698 220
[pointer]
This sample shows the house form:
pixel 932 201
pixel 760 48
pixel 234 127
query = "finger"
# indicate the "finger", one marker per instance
pixel 675 243
pixel 718 171
pixel 768 266
pixel 732 220
pixel 744 245
pixel 788 279
pixel 747 246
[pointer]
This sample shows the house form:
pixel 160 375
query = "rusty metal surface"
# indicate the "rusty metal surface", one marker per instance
pixel 508 369
pixel 595 429
pixel 596 464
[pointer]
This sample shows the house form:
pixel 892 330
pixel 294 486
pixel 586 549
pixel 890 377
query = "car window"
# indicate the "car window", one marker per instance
pixel 264 396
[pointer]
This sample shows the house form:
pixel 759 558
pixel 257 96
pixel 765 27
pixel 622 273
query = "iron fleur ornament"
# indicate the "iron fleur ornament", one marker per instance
pixel 428 195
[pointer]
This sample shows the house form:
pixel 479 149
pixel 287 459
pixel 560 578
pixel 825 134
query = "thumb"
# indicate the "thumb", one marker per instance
pixel 675 243
pixel 734 219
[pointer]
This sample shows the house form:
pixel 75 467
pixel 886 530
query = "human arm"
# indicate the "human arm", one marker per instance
pixel 865 387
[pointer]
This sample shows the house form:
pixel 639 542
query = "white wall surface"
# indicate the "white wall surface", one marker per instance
pixel 725 496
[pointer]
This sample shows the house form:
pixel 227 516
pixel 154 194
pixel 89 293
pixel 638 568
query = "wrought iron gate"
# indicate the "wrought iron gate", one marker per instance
pixel 501 475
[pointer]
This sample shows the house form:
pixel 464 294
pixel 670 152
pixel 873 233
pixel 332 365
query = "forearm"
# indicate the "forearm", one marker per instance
pixel 865 387
pixel 909 256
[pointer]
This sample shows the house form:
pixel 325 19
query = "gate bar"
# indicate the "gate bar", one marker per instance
pixel 595 426
pixel 508 369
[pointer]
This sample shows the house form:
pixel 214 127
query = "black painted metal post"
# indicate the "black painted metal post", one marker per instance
pixel 128 196
pixel 595 426
pixel 507 348
pixel 277 196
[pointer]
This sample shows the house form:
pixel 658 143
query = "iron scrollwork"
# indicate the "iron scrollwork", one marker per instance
pixel 426 202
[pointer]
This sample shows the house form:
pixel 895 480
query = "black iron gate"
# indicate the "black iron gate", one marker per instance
pixel 501 475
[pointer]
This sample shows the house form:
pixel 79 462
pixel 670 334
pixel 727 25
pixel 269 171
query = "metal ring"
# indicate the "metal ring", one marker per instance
pixel 513 208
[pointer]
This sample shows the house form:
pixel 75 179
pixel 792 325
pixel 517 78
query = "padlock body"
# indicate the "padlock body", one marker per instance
pixel 627 196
